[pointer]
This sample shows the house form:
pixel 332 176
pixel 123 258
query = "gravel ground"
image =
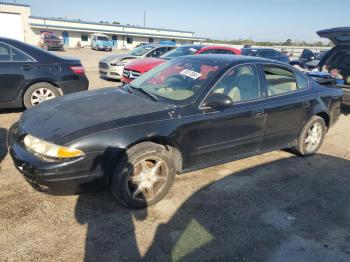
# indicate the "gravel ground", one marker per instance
pixel 272 207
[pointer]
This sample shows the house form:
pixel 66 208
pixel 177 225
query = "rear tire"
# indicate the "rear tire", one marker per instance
pixel 39 93
pixel 144 175
pixel 311 137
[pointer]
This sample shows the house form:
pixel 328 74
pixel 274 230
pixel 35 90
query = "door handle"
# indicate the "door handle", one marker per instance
pixel 27 67
pixel 257 114
pixel 306 105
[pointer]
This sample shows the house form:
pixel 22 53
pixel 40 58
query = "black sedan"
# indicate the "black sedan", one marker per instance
pixel 186 114
pixel 30 75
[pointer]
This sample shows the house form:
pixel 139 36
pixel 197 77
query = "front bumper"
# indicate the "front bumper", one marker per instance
pixel 112 72
pixel 91 172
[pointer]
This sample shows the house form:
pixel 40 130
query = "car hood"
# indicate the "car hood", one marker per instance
pixel 71 113
pixel 117 58
pixel 339 35
pixel 145 64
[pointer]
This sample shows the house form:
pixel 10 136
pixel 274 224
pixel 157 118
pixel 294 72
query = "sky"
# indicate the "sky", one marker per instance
pixel 259 20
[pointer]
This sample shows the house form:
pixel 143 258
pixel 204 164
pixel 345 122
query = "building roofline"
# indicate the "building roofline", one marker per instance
pixel 96 23
pixel 15 4
pixel 126 33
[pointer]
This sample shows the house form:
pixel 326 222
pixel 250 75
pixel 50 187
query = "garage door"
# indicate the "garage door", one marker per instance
pixel 14 28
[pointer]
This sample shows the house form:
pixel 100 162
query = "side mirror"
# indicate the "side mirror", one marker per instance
pixel 217 101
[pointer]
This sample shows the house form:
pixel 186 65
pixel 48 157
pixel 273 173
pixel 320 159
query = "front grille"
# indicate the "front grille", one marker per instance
pixel 131 73
pixel 103 65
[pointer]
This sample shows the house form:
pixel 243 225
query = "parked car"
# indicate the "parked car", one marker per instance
pixel 112 66
pixel 137 68
pixel 49 41
pixel 30 75
pixel 101 42
pixel 308 59
pixel 268 53
pixel 337 60
pixel 186 114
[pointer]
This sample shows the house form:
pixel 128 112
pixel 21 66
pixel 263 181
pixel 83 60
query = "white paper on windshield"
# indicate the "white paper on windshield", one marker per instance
pixel 190 73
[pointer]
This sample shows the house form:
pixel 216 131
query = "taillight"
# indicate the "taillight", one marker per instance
pixel 79 70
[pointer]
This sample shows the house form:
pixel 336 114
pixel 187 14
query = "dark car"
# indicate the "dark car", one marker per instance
pixel 186 114
pixel 30 75
pixel 268 53
pixel 308 59
pixel 337 60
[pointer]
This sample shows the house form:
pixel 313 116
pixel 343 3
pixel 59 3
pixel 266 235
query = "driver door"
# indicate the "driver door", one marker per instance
pixel 236 131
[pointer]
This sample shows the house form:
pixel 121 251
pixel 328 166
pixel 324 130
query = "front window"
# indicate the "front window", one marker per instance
pixel 102 38
pixel 178 80
pixel 181 51
pixel 239 83
pixel 141 50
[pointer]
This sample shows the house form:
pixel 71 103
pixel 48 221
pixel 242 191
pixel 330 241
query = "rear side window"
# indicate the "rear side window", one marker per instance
pixel 5 53
pixel 18 56
pixel 279 81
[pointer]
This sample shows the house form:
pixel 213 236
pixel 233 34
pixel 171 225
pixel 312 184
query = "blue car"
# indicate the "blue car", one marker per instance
pixel 101 42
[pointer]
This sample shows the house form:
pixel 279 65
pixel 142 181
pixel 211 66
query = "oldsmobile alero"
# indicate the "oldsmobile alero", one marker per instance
pixel 186 114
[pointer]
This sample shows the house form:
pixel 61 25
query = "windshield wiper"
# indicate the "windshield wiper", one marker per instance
pixel 140 89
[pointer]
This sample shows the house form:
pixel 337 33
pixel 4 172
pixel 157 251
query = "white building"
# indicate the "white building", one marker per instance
pixel 16 22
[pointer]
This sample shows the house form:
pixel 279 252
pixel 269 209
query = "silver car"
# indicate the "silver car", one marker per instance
pixel 112 66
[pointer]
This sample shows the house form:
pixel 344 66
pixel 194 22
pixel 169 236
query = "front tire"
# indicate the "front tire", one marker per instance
pixel 39 93
pixel 144 175
pixel 311 137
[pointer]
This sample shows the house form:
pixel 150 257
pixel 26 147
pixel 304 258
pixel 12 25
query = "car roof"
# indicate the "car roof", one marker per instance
pixel 231 59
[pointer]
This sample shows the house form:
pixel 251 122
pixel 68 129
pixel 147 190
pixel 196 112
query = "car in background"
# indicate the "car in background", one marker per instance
pixel 30 75
pixel 101 42
pixel 267 53
pixel 308 59
pixel 112 66
pixel 187 114
pixel 49 41
pixel 337 60
pixel 137 68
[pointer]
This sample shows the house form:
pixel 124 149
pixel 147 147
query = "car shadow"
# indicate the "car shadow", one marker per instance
pixel 3 143
pixel 110 79
pixel 291 209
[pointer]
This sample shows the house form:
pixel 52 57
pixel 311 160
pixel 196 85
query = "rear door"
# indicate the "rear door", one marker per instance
pixel 289 102
pixel 15 69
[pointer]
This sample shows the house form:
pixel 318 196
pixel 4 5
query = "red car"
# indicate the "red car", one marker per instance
pixel 137 68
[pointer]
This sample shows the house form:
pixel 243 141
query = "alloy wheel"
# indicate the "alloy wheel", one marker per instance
pixel 40 95
pixel 313 137
pixel 148 179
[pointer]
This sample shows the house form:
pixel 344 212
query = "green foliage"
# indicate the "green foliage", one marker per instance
pixel 288 42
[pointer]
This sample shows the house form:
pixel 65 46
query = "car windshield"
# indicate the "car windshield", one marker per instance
pixel 181 51
pixel 141 50
pixel 179 79
pixel 102 38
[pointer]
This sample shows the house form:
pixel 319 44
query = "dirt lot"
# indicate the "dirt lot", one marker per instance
pixel 272 207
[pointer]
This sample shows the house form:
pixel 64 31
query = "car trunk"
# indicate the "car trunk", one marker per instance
pixel 338 62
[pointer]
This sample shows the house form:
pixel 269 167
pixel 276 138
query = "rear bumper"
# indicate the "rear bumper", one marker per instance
pixel 346 97
pixel 72 86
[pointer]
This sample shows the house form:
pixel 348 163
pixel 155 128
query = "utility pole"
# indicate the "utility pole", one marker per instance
pixel 144 19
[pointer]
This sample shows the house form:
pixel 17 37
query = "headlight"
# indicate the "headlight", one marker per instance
pixel 48 149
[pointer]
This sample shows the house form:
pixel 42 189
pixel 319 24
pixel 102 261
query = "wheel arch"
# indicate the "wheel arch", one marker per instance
pixel 325 116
